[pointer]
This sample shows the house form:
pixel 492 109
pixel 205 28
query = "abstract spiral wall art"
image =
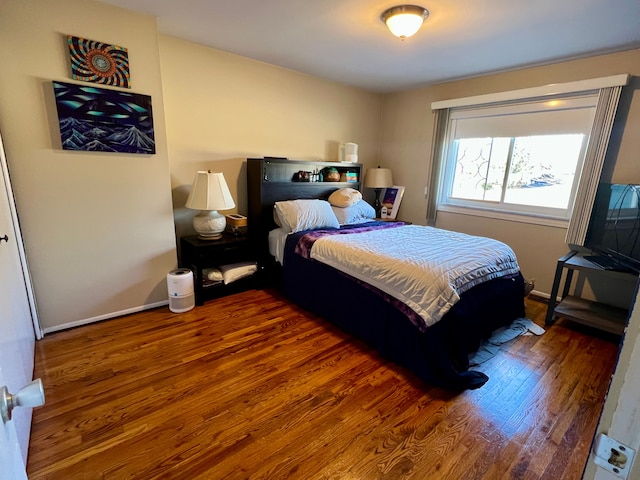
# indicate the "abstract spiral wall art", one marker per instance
pixel 99 62
pixel 100 120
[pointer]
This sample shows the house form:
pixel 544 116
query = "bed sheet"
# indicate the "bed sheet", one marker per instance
pixel 277 239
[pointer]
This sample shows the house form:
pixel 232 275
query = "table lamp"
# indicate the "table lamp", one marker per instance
pixel 209 193
pixel 378 178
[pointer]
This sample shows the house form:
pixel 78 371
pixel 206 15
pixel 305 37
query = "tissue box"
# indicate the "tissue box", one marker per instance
pixel 236 224
pixel 236 220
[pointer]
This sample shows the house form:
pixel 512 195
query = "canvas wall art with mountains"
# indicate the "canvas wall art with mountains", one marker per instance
pixel 102 120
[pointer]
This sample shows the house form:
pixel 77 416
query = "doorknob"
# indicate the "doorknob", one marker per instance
pixel 5 238
pixel 31 395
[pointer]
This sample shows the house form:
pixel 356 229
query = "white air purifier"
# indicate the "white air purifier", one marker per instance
pixel 180 287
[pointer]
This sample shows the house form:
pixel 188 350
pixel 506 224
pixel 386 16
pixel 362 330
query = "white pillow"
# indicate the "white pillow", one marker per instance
pixel 345 197
pixel 358 213
pixel 299 215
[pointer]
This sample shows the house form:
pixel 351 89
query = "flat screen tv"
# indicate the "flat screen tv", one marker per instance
pixel 614 228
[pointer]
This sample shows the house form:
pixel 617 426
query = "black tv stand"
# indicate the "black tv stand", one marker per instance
pixel 606 263
pixel 587 312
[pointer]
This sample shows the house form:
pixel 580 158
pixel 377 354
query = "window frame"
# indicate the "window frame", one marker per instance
pixel 609 91
pixel 447 202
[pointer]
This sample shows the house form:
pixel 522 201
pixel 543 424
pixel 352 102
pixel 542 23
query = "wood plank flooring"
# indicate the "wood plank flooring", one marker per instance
pixel 252 387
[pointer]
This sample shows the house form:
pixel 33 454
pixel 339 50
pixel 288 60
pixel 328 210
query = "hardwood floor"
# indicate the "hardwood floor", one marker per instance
pixel 250 386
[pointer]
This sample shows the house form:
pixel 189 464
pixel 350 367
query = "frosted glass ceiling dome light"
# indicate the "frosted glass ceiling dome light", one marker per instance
pixel 404 20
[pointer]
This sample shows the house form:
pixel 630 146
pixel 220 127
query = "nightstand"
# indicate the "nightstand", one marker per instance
pixel 198 255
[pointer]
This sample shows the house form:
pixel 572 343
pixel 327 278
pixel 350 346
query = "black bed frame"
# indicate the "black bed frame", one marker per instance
pixel 270 180
pixel 439 356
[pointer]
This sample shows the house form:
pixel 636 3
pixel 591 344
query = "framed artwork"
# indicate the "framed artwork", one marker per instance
pixel 391 198
pixel 99 62
pixel 101 120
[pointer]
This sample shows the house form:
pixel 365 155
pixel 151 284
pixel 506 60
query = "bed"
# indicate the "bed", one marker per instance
pixel 436 349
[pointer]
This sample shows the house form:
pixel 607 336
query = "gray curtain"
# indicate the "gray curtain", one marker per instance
pixel 438 149
pixel 593 163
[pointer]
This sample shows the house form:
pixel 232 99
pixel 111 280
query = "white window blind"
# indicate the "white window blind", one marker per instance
pixel 543 117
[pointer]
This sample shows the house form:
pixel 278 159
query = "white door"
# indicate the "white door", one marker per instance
pixel 17 336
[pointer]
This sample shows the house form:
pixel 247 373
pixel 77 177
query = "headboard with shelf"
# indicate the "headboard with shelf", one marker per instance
pixel 271 180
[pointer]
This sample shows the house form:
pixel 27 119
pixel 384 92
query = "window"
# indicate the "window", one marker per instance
pixel 479 117
pixel 521 158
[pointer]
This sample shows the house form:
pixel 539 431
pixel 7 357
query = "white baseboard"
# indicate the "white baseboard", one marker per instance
pixel 537 293
pixel 86 321
pixel 543 295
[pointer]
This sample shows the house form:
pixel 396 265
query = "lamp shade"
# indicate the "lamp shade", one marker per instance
pixel 378 178
pixel 210 192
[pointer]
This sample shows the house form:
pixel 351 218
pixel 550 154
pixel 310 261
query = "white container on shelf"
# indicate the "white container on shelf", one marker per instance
pixel 349 152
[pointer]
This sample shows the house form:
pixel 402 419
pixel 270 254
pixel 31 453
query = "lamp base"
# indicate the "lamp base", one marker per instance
pixel 209 224
pixel 217 236
pixel 377 205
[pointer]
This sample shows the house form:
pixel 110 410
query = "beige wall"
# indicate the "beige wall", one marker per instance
pixel 222 109
pixel 78 209
pixel 98 227
pixel 407 125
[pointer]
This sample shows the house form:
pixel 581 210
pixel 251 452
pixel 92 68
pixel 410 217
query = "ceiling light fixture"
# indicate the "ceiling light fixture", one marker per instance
pixel 404 20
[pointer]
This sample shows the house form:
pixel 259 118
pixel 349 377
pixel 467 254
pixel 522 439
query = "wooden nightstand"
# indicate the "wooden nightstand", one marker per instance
pixel 199 255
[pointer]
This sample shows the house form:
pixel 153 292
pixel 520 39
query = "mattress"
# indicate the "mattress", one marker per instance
pixel 439 354
pixel 425 268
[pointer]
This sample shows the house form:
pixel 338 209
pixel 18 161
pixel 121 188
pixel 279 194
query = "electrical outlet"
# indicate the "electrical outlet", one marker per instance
pixel 613 456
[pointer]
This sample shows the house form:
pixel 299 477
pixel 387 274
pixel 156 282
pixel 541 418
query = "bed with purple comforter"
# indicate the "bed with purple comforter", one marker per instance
pixel 433 344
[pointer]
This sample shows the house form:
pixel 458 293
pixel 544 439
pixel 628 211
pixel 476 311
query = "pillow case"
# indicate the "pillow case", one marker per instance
pixel 357 213
pixel 345 197
pixel 299 215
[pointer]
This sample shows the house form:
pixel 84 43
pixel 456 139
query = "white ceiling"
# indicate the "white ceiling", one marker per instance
pixel 345 40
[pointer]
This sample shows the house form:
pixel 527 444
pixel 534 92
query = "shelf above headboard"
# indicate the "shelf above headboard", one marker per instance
pixel 271 180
